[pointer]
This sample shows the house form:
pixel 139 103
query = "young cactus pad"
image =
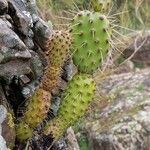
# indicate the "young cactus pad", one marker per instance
pixel 90 32
pixel 101 5
pixel 58 51
pixel 58 48
pixel 51 78
pixel 37 108
pixel 23 131
pixel 75 101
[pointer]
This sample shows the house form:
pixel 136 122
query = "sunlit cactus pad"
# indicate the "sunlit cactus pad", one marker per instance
pixel 91 33
pixel 75 102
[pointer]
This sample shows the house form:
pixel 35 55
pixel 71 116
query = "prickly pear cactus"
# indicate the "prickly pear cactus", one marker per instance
pixel 58 51
pixel 51 78
pixel 90 32
pixel 75 101
pixel 37 109
pixel 58 48
pixel 56 128
pixel 23 131
pixel 101 5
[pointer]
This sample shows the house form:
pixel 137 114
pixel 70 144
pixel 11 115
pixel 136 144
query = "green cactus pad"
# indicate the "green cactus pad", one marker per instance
pixel 23 131
pixel 76 100
pixel 58 48
pixel 90 32
pixel 37 108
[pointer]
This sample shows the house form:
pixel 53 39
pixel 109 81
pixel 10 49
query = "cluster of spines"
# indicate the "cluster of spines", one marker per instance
pixel 101 5
pixel 58 52
pixel 51 78
pixel 55 128
pixel 37 108
pixel 90 32
pixel 36 111
pixel 75 101
pixel 58 48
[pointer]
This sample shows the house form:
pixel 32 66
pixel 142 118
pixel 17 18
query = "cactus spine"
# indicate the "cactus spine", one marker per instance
pixel 75 101
pixel 51 78
pixel 37 108
pixel 101 5
pixel 58 52
pixel 39 104
pixel 58 48
pixel 90 32
pixel 36 112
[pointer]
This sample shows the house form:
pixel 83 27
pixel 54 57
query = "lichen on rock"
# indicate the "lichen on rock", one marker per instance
pixel 124 122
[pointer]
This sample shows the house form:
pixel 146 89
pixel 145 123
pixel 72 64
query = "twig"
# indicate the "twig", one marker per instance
pixel 136 49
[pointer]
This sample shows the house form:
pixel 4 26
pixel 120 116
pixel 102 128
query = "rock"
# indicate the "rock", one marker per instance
pixel 42 32
pixel 35 74
pixel 140 47
pixel 3 7
pixel 125 121
pixel 14 68
pixel 71 139
pixel 14 55
pixel 11 43
pixel 3 144
pixel 21 17
pixel 17 44
pixel 7 128
pixel 31 6
pixel 69 70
